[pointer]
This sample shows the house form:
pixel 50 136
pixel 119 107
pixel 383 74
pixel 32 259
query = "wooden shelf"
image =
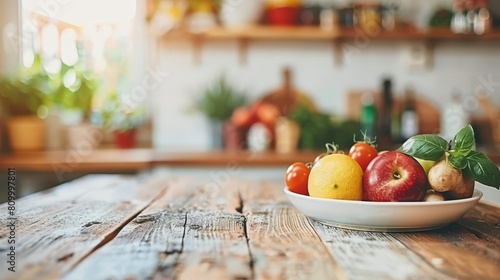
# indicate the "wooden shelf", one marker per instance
pixel 316 33
pixel 272 33
pixel 305 33
pixel 117 160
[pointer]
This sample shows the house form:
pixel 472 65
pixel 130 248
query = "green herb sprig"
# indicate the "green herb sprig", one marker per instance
pixel 460 152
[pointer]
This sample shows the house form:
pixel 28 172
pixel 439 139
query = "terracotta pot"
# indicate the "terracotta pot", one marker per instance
pixel 26 133
pixel 83 137
pixel 234 137
pixel 125 139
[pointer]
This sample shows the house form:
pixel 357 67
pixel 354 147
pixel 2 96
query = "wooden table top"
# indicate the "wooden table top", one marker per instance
pixel 145 227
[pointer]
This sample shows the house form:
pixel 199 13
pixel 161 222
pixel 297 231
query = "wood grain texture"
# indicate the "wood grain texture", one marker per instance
pixel 469 249
pixel 120 227
pixel 484 222
pixel 33 208
pixel 193 231
pixel 455 251
pixel 214 247
pixel 55 243
pixel 374 255
pixel 282 242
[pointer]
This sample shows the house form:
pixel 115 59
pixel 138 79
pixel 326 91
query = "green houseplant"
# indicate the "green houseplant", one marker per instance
pixel 70 101
pixel 121 121
pixel 73 91
pixel 218 102
pixel 21 98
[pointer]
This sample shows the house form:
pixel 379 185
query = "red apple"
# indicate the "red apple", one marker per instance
pixel 394 176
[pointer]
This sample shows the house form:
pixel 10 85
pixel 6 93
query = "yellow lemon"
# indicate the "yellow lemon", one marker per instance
pixel 336 176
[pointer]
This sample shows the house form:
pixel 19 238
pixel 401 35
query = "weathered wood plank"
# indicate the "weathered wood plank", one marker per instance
pixel 282 242
pixel 484 222
pixel 455 251
pixel 214 247
pixel 192 231
pixel 31 209
pixel 55 243
pixel 374 255
pixel 450 252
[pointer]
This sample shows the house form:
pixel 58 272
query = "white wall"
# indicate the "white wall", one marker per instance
pixel 9 36
pixel 457 65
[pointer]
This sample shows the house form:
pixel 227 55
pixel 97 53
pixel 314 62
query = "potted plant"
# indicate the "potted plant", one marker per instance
pixel 218 102
pixel 21 99
pixel 122 121
pixel 71 98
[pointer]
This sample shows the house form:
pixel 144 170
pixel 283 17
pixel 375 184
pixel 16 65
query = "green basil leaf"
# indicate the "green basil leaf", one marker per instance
pixel 483 169
pixel 457 161
pixel 425 146
pixel 464 142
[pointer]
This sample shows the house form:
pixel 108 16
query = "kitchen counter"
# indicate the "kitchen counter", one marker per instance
pixel 154 227
pixel 116 160
pixel 128 160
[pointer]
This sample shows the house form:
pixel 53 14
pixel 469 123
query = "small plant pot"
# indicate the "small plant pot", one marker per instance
pixel 26 133
pixel 125 139
pixel 83 137
pixel 234 137
pixel 287 136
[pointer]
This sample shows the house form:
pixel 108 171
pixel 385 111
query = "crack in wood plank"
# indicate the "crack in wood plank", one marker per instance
pixel 214 247
pixel 188 229
pixel 57 242
pixel 191 229
pixel 274 229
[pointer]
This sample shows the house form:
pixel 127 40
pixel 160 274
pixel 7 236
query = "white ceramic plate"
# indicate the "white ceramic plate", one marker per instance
pixel 383 216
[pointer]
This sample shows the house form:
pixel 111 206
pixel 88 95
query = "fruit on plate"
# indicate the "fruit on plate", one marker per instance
pixel 394 176
pixel 296 178
pixel 444 177
pixel 331 148
pixel 363 152
pixel 432 195
pixel 426 164
pixel 459 164
pixel 464 190
pixel 336 176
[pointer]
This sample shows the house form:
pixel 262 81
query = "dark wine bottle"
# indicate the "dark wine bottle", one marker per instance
pixel 409 116
pixel 384 129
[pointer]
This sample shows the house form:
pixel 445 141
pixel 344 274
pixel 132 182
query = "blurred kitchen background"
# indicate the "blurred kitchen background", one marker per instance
pixel 269 76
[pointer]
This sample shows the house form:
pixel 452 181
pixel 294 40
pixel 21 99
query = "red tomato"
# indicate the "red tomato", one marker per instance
pixel 296 178
pixel 363 153
pixel 320 156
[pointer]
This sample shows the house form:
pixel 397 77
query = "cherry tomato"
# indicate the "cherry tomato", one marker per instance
pixel 331 148
pixel 320 156
pixel 296 178
pixel 363 153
